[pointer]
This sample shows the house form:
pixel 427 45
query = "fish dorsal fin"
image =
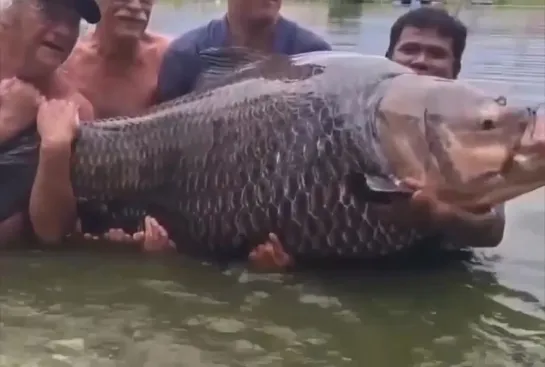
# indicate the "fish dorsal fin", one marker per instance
pixel 218 62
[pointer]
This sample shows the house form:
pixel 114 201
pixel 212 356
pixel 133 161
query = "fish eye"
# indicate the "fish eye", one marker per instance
pixel 487 124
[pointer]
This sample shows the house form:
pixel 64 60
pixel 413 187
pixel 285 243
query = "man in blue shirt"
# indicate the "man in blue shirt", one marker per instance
pixel 431 42
pixel 255 24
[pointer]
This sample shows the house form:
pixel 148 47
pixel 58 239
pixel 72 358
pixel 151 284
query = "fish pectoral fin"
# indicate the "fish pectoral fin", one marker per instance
pixel 383 184
pixel 370 188
pixel 217 62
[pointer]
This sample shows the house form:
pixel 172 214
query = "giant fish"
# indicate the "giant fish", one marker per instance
pixel 314 147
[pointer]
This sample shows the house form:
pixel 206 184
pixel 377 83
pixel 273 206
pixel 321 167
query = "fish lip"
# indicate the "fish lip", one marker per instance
pixel 509 160
pixel 517 146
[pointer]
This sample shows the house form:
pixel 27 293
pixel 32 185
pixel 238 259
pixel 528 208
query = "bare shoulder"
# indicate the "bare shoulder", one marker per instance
pixel 64 89
pixel 157 44
pixel 83 50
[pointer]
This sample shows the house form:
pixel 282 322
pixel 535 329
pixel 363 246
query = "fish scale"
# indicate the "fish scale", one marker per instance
pixel 263 149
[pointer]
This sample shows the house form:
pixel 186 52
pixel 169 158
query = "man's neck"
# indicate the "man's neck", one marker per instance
pixel 120 50
pixel 258 36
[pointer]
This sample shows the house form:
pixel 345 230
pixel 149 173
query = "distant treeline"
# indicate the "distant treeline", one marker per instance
pixel 452 2
pixel 540 3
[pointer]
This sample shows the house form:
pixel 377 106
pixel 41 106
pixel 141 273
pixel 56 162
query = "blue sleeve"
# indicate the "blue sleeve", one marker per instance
pixel 179 69
pixel 309 42
pixel 317 45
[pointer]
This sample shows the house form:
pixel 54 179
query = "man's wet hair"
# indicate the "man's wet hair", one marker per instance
pixel 440 20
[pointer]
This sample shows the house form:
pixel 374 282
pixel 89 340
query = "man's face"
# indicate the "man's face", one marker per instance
pixel 257 11
pixel 425 51
pixel 127 18
pixel 49 31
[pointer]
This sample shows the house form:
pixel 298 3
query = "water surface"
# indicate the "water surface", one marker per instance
pixel 489 311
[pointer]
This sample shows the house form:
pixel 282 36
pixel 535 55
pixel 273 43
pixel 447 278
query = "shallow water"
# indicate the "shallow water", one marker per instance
pixel 75 310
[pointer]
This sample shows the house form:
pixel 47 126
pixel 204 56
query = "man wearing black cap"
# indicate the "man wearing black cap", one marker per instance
pixel 36 37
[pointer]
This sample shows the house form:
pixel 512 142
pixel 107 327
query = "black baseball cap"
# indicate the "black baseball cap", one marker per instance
pixel 88 10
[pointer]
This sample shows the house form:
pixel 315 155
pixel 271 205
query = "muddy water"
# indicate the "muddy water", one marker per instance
pixel 489 311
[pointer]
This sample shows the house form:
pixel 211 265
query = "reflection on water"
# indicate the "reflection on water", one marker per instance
pixel 139 313
pixel 75 310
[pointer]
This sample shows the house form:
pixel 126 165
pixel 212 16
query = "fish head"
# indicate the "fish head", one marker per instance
pixel 469 147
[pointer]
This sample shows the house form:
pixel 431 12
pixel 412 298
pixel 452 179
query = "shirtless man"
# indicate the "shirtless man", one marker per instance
pixel 40 34
pixel 36 37
pixel 116 66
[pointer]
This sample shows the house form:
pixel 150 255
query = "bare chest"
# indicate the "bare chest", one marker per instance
pixel 122 93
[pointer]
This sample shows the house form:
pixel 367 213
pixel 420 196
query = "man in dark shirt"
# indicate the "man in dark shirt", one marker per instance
pixel 431 42
pixel 254 24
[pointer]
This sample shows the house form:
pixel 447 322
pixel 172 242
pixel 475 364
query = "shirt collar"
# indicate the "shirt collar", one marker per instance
pixel 281 33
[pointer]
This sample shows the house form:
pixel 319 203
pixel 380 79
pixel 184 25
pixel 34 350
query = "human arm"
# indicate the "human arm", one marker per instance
pixel 475 230
pixel 52 207
pixel 178 72
pixel 308 41
pixel 86 111
pixel 18 106
pixel 318 45
pixel 480 227
pixel 153 237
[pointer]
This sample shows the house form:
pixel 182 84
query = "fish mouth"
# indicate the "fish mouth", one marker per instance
pixel 518 152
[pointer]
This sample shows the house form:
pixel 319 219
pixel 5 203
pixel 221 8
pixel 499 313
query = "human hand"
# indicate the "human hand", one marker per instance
pixel 57 122
pixel 153 238
pixel 270 256
pixel 19 102
pixel 431 210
